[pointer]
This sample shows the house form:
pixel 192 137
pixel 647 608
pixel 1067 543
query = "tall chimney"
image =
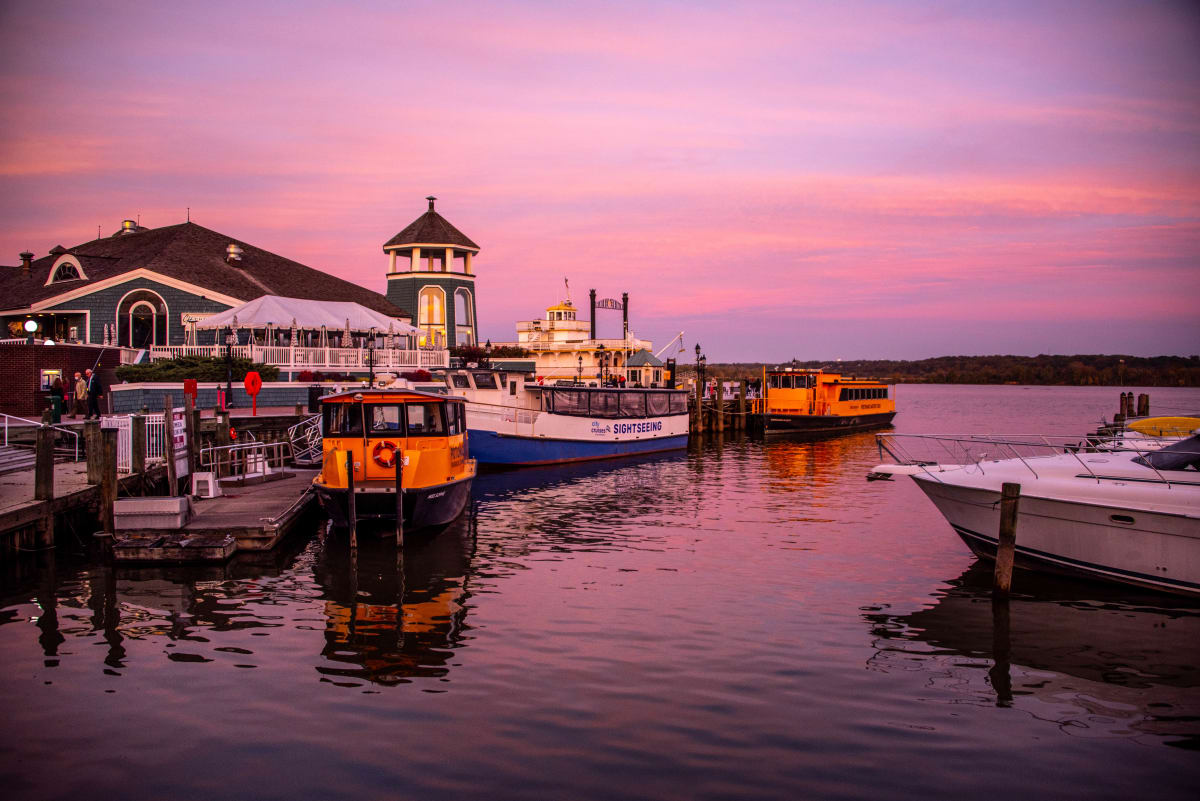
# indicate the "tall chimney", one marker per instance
pixel 592 294
pixel 26 263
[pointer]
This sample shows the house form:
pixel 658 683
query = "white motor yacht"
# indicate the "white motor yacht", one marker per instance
pixel 1117 512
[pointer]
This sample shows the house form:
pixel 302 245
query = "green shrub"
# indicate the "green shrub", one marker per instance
pixel 201 368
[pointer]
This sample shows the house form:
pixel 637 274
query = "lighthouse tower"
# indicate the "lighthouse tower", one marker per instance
pixel 430 274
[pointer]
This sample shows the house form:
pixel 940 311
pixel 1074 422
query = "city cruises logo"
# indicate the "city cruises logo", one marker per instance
pixel 600 429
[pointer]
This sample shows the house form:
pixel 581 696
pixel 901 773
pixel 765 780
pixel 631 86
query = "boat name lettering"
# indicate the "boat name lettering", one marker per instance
pixel 637 428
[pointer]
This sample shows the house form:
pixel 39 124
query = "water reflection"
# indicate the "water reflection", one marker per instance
pixel 1096 661
pixel 393 617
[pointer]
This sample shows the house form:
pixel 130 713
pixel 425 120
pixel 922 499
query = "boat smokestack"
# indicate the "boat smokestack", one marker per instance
pixel 592 295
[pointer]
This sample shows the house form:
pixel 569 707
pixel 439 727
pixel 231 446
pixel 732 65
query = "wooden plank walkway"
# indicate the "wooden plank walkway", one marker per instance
pixel 251 518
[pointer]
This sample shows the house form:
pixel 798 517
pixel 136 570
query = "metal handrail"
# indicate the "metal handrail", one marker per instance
pixel 219 455
pixel 7 417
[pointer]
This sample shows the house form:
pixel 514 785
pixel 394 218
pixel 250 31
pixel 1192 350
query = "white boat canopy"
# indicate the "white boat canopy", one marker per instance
pixel 283 313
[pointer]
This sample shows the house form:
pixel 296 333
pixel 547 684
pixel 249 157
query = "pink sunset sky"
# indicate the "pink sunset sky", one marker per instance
pixel 808 180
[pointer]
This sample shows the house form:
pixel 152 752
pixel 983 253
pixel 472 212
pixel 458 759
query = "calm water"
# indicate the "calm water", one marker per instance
pixel 743 621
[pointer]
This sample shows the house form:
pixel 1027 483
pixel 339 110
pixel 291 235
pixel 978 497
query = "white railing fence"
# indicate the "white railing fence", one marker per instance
pixel 305 358
pixel 155 438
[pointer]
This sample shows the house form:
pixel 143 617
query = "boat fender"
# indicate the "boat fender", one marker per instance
pixel 384 453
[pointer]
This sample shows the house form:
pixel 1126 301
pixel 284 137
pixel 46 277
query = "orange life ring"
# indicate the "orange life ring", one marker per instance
pixel 382 459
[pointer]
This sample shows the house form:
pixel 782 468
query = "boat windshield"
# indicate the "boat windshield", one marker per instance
pixel 385 421
pixel 343 419
pixel 425 420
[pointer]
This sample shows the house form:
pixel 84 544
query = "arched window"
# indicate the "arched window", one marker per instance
pixel 464 318
pixel 141 319
pixel 431 315
pixel 65 272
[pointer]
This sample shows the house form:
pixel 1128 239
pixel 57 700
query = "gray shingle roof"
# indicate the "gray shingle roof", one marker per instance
pixel 195 254
pixel 431 228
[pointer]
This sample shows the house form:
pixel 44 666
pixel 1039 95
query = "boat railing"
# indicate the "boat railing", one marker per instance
pixel 934 453
pixel 246 458
pixel 498 413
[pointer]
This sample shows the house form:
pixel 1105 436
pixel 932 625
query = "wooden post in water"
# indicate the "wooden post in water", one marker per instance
pixel 720 405
pixel 699 406
pixel 137 443
pixel 742 390
pixel 351 513
pixel 399 498
pixel 43 481
pixel 190 426
pixel 93 447
pixel 1010 496
pixel 1143 405
pixel 108 477
pixel 169 447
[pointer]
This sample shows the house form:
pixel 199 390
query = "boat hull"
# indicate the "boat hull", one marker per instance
pixel 426 507
pixel 1129 545
pixel 490 447
pixel 822 424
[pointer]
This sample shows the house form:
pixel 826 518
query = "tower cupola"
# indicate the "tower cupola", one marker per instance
pixel 431 275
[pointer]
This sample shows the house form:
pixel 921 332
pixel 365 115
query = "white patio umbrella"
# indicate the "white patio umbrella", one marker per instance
pixel 324 343
pixel 347 342
pixel 292 340
pixel 391 337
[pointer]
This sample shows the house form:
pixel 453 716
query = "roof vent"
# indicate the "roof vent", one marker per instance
pixel 233 254
pixel 26 262
pixel 129 226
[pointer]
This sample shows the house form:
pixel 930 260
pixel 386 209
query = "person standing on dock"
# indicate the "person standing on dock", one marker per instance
pixel 94 390
pixel 56 401
pixel 79 402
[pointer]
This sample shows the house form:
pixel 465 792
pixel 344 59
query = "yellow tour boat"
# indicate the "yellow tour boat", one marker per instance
pixel 367 436
pixel 813 402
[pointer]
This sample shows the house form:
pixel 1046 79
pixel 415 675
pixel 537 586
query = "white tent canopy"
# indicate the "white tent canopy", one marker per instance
pixel 307 314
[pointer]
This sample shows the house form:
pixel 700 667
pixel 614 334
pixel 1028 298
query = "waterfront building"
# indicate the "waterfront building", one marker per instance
pixel 430 270
pixel 144 287
pixel 565 348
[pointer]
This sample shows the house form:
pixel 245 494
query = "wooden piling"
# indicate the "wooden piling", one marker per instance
pixel 720 399
pixel 137 444
pixel 351 512
pixel 169 447
pixel 399 498
pixel 743 389
pixel 43 476
pixel 190 427
pixel 699 422
pixel 94 449
pixel 1143 405
pixel 108 476
pixel 1010 496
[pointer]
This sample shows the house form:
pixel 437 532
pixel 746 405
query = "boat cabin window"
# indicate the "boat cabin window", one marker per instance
pixel 605 404
pixel 484 380
pixel 633 404
pixel 658 404
pixel 773 382
pixel 343 419
pixel 678 403
pixel 385 421
pixel 425 420
pixel 567 401
pixel 459 381
pixel 455 418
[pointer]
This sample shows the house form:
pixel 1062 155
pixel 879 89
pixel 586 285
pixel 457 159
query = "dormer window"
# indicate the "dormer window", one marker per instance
pixel 66 268
pixel 65 272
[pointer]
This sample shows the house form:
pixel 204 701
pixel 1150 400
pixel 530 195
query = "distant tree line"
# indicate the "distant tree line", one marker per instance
pixel 1078 370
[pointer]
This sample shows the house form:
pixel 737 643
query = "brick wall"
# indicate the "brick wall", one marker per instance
pixel 21 366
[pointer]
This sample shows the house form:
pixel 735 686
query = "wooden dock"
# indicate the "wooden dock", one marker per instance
pixel 251 518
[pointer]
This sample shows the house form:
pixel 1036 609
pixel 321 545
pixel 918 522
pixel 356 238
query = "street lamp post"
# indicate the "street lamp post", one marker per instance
pixel 579 374
pixel 230 338
pixel 371 362
pixel 703 364
pixel 600 358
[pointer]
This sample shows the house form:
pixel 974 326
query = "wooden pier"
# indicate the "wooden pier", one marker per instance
pixel 251 518
pixel 740 413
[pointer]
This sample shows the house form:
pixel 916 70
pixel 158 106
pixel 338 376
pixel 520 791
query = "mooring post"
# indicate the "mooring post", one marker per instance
pixel 43 481
pixel 169 447
pixel 699 406
pixel 742 390
pixel 190 427
pixel 137 444
pixel 1010 496
pixel 91 444
pixel 720 393
pixel 108 477
pixel 351 513
pixel 399 498
pixel 1143 406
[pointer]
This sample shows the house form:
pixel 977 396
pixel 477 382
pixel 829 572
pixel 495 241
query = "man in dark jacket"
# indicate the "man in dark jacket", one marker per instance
pixel 94 390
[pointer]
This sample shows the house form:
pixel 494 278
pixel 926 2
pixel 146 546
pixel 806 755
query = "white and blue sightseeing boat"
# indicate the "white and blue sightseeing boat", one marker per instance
pixel 512 420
